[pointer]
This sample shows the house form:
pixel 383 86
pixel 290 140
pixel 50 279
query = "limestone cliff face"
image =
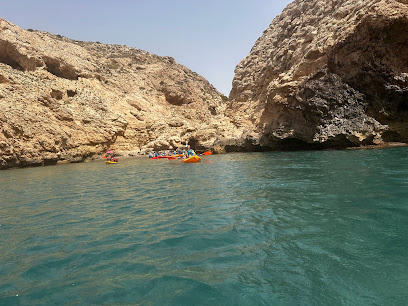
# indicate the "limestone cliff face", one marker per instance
pixel 66 100
pixel 325 74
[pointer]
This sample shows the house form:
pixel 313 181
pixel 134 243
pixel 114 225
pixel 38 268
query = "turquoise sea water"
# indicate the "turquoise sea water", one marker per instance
pixel 287 228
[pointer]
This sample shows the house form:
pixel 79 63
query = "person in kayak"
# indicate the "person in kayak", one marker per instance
pixel 111 156
pixel 190 152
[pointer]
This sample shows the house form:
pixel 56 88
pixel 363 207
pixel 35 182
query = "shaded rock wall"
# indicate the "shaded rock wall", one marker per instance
pixel 326 74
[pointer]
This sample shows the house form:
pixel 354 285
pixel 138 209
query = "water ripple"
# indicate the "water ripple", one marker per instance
pixel 310 228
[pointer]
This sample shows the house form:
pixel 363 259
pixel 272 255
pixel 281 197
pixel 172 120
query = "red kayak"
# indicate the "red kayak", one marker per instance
pixel 207 153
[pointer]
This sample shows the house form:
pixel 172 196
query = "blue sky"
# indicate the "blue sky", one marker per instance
pixel 210 37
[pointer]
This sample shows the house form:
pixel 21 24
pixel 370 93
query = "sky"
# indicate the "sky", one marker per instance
pixel 210 37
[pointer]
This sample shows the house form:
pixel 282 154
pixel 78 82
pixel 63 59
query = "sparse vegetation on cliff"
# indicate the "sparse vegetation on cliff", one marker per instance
pixel 68 100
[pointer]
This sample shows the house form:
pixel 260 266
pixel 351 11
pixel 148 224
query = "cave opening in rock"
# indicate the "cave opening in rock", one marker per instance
pixel 58 68
pixel 12 57
pixel 391 136
pixel 379 70
pixel 10 62
pixel 71 93
pixel 7 58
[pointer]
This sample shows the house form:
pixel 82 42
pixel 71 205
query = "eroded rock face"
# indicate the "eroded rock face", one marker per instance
pixel 325 74
pixel 66 100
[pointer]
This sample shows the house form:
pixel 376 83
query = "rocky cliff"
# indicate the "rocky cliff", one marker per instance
pixel 67 100
pixel 325 74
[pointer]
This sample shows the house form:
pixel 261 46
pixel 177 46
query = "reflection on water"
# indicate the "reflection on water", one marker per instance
pixel 310 228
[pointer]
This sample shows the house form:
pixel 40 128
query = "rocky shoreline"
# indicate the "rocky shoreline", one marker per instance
pixel 70 100
pixel 126 155
pixel 381 146
pixel 322 76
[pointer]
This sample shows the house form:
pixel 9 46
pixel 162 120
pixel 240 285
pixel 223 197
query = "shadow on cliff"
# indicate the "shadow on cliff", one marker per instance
pixel 374 61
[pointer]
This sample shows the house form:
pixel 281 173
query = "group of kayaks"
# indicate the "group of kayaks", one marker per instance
pixel 192 159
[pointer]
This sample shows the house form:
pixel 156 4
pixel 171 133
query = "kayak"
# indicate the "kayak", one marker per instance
pixel 207 153
pixel 192 159
pixel 110 162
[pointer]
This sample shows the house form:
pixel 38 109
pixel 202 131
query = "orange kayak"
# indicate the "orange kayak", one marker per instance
pixel 207 153
pixel 192 159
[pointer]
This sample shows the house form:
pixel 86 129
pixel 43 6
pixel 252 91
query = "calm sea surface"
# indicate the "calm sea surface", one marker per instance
pixel 293 228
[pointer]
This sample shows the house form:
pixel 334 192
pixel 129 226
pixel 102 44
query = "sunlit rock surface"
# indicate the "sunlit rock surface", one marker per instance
pixel 66 100
pixel 325 74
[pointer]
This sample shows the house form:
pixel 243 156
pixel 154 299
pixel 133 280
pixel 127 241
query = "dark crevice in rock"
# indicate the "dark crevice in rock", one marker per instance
pixel 338 142
pixel 71 93
pixel 11 62
pixel 3 79
pixel 212 110
pixel 11 56
pixel 289 144
pixel 391 136
pixel 238 148
pixel 50 162
pixel 368 141
pixel 379 69
pixel 57 94
pixel 7 58
pixel 60 69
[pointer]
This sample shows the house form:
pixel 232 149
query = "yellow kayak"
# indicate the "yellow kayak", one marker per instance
pixel 192 159
pixel 110 162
